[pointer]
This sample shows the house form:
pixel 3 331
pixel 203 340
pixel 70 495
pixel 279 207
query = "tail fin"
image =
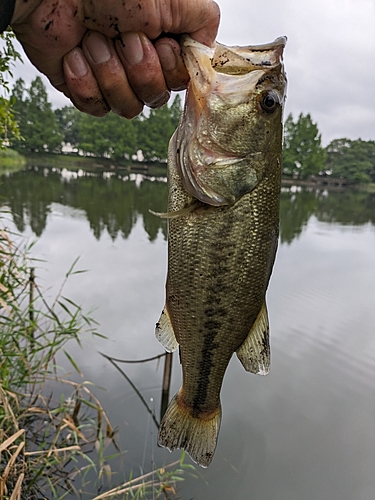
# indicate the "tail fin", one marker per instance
pixel 197 436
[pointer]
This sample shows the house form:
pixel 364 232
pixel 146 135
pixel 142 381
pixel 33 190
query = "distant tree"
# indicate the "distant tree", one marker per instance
pixel 37 121
pixel 110 136
pixel 351 160
pixel 303 154
pixel 18 97
pixel 18 92
pixel 67 119
pixel 155 131
pixel 176 110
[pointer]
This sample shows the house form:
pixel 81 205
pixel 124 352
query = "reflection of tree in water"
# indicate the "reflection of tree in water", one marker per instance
pixel 108 203
pixel 342 207
pixel 152 196
pixel 295 210
pixel 348 207
pixel 111 204
pixel 28 197
pixel 115 202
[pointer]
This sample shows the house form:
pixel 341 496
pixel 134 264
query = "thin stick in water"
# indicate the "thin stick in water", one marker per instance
pixel 166 383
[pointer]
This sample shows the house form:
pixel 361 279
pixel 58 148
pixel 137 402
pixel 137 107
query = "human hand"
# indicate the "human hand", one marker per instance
pixel 115 54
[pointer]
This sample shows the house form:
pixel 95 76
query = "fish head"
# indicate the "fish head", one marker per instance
pixel 230 133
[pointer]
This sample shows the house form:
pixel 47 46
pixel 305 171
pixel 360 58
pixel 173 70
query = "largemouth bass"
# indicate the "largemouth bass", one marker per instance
pixel 224 169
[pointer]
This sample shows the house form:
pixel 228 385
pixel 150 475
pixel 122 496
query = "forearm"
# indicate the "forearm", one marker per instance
pixel 6 13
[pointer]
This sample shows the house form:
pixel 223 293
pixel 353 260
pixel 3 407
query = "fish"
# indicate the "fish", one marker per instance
pixel 224 174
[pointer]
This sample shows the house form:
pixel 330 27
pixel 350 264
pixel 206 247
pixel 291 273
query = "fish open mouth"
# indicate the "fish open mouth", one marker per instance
pixel 240 60
pixel 221 78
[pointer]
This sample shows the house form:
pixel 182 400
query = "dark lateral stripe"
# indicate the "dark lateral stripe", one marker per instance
pixel 214 313
pixel 208 351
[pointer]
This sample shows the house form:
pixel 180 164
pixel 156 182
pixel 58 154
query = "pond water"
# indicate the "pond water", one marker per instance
pixel 304 432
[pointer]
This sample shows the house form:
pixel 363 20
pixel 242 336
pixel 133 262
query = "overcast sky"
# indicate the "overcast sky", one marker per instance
pixel 329 58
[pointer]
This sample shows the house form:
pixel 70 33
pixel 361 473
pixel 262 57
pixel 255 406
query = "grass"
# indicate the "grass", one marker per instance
pixel 47 442
pixel 11 161
pixel 368 188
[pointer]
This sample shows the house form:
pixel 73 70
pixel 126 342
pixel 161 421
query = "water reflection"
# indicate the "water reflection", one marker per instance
pixel 297 205
pixel 305 432
pixel 112 201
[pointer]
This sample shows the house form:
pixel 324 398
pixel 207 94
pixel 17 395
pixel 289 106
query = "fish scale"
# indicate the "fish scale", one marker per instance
pixel 223 213
pixel 206 297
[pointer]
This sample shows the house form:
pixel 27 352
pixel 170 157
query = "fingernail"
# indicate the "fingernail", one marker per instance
pixel 167 56
pixel 132 48
pixel 77 63
pixel 160 100
pixel 98 47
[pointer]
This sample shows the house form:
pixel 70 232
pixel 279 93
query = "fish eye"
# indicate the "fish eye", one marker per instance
pixel 269 101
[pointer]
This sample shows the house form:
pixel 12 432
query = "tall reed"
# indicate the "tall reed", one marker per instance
pixel 46 442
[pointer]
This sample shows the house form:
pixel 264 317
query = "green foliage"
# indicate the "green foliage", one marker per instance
pixel 110 136
pixel 8 56
pixel 303 154
pixel 68 120
pixel 8 123
pixel 116 138
pixel 11 161
pixel 36 444
pixel 155 131
pixel 351 160
pixel 157 484
pixel 176 111
pixel 37 122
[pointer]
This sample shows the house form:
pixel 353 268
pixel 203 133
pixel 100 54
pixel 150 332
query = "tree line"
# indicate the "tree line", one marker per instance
pixel 45 130
pixel 304 156
pixel 29 195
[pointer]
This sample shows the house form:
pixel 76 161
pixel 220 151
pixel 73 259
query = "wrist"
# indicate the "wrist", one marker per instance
pixel 6 11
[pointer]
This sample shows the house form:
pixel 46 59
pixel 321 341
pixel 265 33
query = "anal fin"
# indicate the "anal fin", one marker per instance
pixel 164 332
pixel 254 353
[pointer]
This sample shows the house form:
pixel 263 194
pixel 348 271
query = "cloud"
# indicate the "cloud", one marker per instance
pixel 329 58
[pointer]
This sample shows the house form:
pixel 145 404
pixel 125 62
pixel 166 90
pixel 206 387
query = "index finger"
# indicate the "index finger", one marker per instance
pixel 206 30
pixel 199 18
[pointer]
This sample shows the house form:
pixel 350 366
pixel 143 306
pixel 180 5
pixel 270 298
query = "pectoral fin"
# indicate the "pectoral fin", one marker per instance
pixel 254 353
pixel 178 213
pixel 164 332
